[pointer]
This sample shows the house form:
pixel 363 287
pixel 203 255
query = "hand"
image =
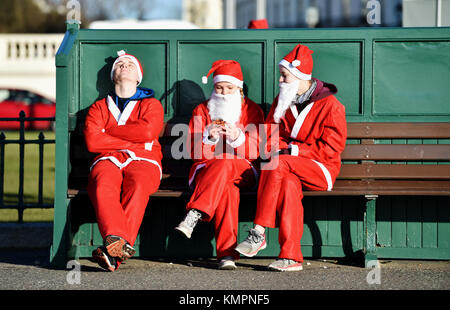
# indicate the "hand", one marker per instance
pixel 231 131
pixel 214 132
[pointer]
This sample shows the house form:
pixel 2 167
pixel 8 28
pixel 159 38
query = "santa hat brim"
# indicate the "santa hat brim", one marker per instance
pixel 228 78
pixel 134 60
pixel 294 70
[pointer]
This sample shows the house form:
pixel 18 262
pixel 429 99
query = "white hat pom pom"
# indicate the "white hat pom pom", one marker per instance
pixel 296 63
pixel 121 53
pixel 204 80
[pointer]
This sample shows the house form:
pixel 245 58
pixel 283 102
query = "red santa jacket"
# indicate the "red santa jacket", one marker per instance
pixel 246 146
pixel 127 136
pixel 317 132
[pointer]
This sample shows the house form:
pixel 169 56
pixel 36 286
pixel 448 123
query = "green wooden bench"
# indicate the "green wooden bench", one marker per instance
pixel 390 198
pixel 373 169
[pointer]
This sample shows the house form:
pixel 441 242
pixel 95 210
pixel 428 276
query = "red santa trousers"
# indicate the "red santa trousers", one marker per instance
pixel 120 196
pixel 217 195
pixel 279 202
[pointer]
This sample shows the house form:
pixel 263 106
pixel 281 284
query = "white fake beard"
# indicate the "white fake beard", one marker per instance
pixel 288 91
pixel 225 107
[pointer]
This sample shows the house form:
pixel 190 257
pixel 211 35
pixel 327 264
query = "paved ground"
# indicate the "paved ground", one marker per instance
pixel 29 270
pixel 25 275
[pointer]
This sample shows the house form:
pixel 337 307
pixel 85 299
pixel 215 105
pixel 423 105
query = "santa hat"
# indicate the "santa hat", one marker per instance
pixel 299 62
pixel 226 71
pixel 258 24
pixel 122 54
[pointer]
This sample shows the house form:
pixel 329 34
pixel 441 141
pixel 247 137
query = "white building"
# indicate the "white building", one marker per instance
pixel 421 13
pixel 206 14
pixel 336 13
pixel 27 61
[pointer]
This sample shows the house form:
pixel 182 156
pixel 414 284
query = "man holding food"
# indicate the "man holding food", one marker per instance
pixel 223 142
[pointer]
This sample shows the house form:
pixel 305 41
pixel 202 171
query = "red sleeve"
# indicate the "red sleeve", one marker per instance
pixel 200 151
pixel 146 128
pixel 332 142
pixel 97 140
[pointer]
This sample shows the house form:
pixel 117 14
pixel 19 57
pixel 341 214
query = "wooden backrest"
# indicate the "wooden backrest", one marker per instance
pixel 374 151
pixel 397 151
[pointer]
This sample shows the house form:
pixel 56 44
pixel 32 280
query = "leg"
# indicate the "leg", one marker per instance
pixel 104 187
pixel 211 183
pixel 226 223
pixel 140 180
pixel 290 213
pixel 281 205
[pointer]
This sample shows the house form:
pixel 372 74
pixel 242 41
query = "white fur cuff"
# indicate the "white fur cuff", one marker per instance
pixel 206 139
pixel 240 139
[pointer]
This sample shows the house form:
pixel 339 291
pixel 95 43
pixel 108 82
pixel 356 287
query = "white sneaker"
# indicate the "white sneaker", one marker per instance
pixel 254 242
pixel 285 265
pixel 190 220
pixel 227 263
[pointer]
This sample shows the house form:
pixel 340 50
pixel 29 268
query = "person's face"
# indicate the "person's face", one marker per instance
pixel 225 88
pixel 287 77
pixel 125 69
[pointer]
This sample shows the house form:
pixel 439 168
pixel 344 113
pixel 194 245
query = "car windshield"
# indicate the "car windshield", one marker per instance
pixel 24 96
pixel 4 94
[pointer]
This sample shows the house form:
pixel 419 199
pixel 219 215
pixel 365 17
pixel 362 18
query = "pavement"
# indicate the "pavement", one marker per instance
pixel 26 270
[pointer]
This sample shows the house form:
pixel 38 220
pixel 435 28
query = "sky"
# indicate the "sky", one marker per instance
pixel 166 9
pixel 151 9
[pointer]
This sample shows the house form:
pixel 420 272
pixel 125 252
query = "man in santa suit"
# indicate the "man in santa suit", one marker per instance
pixel 312 131
pixel 224 148
pixel 123 130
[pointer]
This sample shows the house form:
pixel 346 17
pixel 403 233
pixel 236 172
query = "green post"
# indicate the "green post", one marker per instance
pixel 64 85
pixel 370 229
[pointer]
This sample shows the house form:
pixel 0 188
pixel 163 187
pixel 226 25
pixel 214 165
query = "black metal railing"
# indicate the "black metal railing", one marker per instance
pixel 22 141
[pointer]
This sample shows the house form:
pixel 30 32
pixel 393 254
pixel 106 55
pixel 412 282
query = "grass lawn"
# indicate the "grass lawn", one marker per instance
pixel 31 181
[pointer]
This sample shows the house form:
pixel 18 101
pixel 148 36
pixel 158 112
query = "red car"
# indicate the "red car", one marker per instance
pixel 12 101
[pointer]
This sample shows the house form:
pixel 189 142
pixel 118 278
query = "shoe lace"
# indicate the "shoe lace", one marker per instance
pixel 254 237
pixel 192 218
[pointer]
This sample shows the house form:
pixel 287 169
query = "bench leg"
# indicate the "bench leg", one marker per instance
pixel 370 229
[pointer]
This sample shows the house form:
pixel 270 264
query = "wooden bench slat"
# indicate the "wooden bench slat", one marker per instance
pixel 394 171
pixel 363 178
pixel 341 188
pixel 386 187
pixel 397 152
pixel 398 130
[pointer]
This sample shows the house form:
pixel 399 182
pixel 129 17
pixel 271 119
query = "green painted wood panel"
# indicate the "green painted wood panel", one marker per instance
pixel 411 78
pixel 405 224
pixel 367 65
pixel 96 60
pixel 429 223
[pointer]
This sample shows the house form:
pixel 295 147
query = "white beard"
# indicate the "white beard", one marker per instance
pixel 225 107
pixel 288 91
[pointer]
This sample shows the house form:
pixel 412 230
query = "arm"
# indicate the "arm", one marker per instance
pixel 146 128
pixel 332 142
pixel 201 147
pixel 97 140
